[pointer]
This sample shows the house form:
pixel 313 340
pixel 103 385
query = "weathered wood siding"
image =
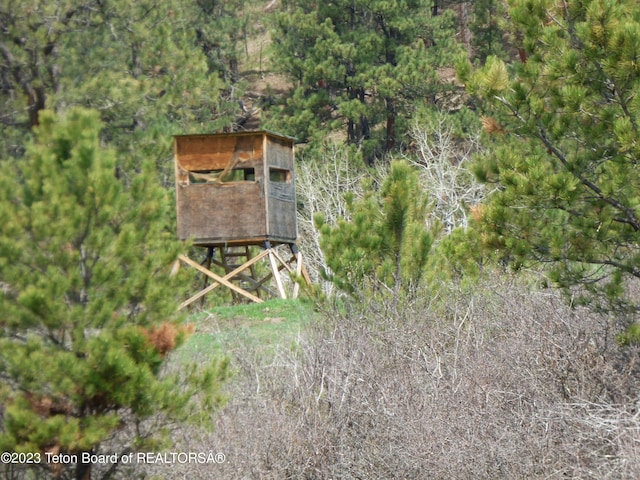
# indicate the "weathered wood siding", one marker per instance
pixel 213 152
pixel 235 212
pixel 211 213
pixel 281 196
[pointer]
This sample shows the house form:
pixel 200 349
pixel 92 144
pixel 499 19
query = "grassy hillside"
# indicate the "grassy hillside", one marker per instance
pixel 224 330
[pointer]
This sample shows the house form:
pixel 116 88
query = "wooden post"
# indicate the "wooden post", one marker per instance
pixel 296 286
pixel 276 274
pixel 207 265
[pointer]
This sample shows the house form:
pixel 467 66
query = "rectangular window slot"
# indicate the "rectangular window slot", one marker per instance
pixel 279 175
pixel 213 176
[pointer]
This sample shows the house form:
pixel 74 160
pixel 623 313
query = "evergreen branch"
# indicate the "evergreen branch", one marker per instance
pixel 20 338
pixel 576 42
pixel 618 265
pixel 624 105
pixel 541 135
pixel 630 216
pixel 541 256
pixel 51 337
pixel 9 120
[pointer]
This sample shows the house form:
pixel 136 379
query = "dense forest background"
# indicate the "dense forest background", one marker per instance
pixel 469 208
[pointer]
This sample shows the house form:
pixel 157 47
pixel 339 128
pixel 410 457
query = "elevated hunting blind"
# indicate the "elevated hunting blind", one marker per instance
pixel 236 189
pixel 233 191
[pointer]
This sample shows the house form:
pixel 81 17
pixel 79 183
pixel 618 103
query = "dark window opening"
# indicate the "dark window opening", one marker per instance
pixel 214 176
pixel 279 175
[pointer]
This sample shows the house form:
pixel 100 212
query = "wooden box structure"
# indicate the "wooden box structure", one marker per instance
pixel 235 190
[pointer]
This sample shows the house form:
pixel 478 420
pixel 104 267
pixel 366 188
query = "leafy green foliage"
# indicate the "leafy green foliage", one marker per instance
pixel 89 308
pixel 385 242
pixel 567 163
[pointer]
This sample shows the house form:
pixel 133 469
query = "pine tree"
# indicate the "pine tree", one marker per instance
pixel 385 240
pixel 88 304
pixel 222 29
pixel 565 153
pixel 141 64
pixel 360 67
pixel 487 27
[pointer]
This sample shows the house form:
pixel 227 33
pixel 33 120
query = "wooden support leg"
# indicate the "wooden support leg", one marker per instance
pixel 296 286
pixel 252 270
pixel 207 265
pixel 305 274
pixel 301 270
pixel 276 275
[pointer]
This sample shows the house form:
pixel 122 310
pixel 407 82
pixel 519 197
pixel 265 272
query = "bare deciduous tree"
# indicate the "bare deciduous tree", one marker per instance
pixel 323 181
pixel 443 162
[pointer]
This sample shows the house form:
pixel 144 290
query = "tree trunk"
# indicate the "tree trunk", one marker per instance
pixel 364 131
pixel 83 470
pixel 234 71
pixel 351 134
pixel 36 96
pixel 391 124
pixel 465 33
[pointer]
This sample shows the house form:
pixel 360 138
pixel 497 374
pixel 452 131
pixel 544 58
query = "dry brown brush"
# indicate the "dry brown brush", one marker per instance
pixel 499 381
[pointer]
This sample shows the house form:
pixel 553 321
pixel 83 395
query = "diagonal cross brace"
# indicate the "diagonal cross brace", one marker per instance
pixel 218 280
